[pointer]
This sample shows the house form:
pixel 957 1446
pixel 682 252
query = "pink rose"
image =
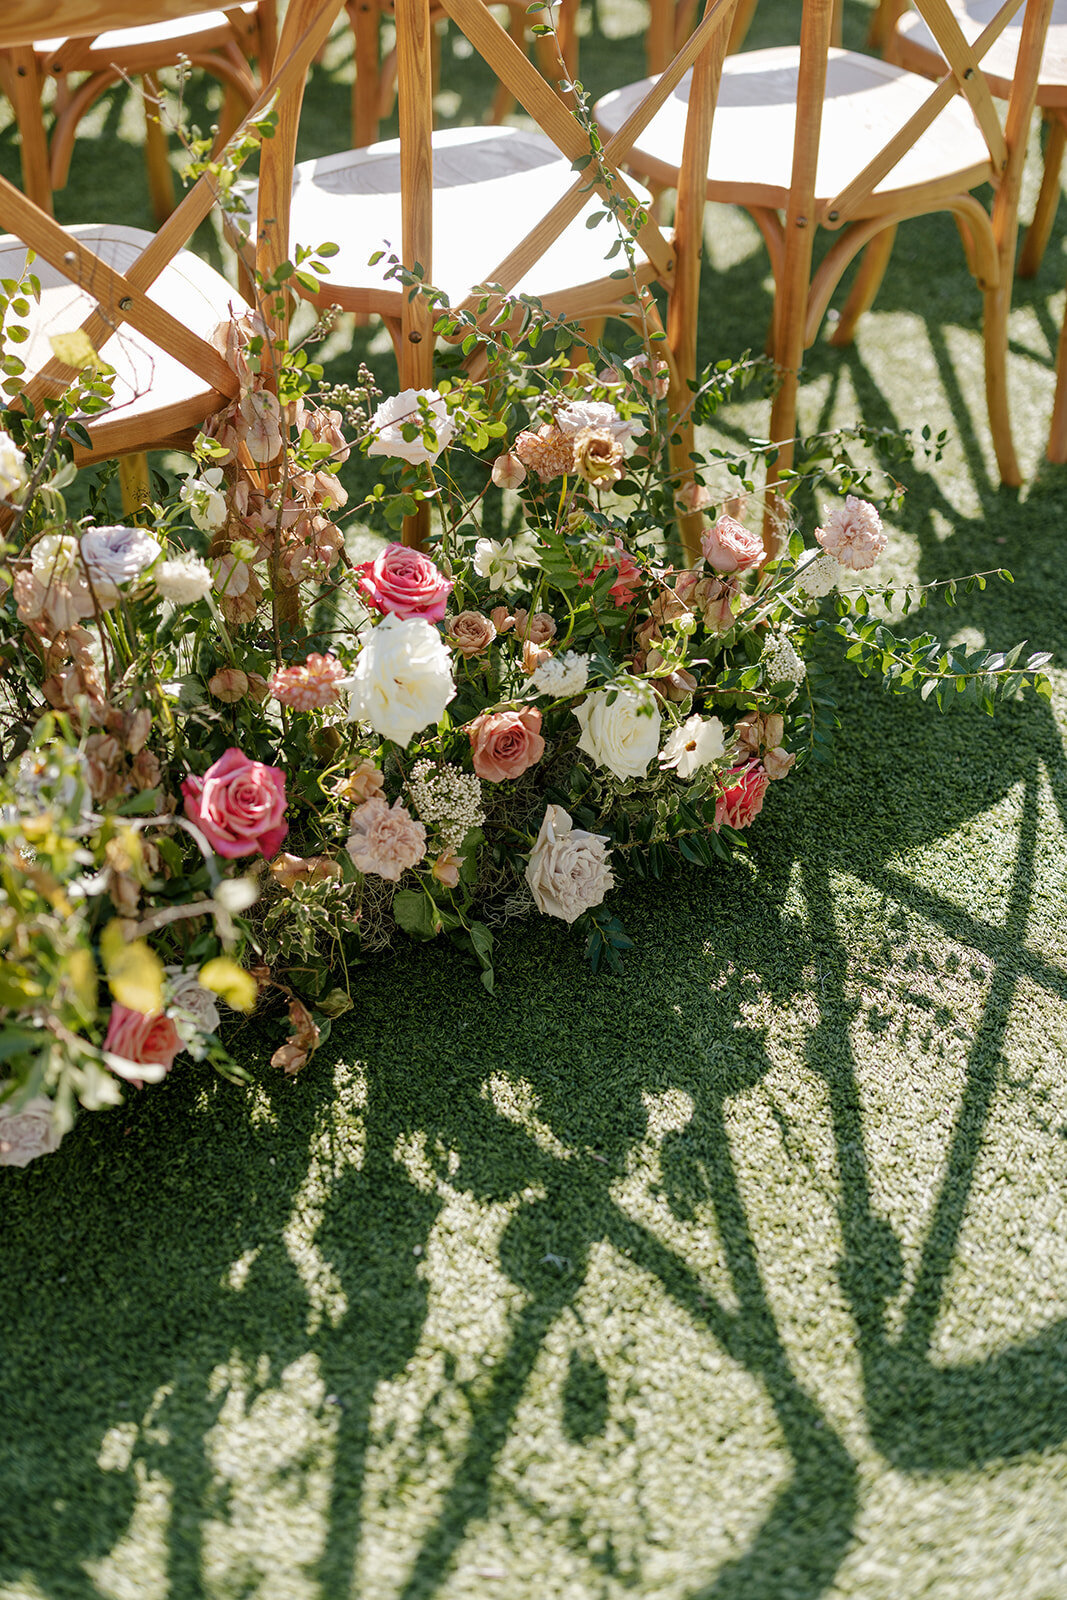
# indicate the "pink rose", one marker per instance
pixel 741 804
pixel 505 743
pixel 405 583
pixel 239 805
pixel 729 547
pixel 148 1039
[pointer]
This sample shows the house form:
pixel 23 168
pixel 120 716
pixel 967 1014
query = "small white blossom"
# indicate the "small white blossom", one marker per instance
pixel 448 798
pixel 13 474
pixel 781 664
pixel 496 561
pixel 819 577
pixel 206 499
pixel 561 676
pixel 184 579
pixel 699 742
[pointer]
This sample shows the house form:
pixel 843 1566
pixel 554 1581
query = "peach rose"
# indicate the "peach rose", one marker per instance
pixel 470 633
pixel 729 547
pixel 505 743
pixel 147 1039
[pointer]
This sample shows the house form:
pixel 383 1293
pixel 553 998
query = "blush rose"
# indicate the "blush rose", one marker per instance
pixel 402 582
pixel 505 743
pixel 729 547
pixel 239 805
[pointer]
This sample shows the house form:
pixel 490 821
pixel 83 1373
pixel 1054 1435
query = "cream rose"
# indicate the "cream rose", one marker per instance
pixel 27 1133
pixel 568 870
pixel 621 734
pixel 402 680
pixel 395 414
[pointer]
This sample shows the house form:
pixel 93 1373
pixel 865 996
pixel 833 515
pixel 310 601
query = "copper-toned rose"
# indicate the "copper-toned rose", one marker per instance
pixel 470 633
pixel 505 743
pixel 598 457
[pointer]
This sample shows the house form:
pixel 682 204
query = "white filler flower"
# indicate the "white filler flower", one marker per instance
pixel 184 580
pixel 402 681
pixel 13 474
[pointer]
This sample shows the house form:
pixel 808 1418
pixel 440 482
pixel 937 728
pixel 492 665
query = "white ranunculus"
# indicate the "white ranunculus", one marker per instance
pixel 13 474
pixel 27 1133
pixel 562 675
pixel 598 414
pixel 206 499
pixel 402 681
pixel 395 413
pixel 622 736
pixel 184 579
pixel 190 1005
pixel 697 743
pixel 116 557
pixel 56 559
pixel 496 561
pixel 568 870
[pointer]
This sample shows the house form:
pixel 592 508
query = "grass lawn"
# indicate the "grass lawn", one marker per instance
pixel 742 1276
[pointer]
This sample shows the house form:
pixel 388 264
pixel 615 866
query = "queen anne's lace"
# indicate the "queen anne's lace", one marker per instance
pixel 448 799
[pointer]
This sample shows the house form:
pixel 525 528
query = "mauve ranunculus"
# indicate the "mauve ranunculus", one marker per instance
pixel 729 547
pixel 505 743
pixel 742 803
pixel 147 1039
pixel 404 583
pixel 239 805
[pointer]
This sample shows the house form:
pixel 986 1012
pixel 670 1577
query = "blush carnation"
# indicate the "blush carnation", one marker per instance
pixel 239 806
pixel 385 840
pixel 853 534
pixel 404 583
pixel 311 686
pixel 740 804
pixel 504 744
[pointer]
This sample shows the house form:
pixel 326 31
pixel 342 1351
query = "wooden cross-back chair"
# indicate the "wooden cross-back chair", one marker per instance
pixel 910 44
pixel 502 206
pixel 220 42
pixel 147 304
pixel 814 136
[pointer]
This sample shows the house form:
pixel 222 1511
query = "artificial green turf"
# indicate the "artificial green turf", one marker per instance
pixel 742 1276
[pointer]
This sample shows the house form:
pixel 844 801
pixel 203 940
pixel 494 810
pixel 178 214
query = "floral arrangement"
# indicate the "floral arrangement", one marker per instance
pixel 240 761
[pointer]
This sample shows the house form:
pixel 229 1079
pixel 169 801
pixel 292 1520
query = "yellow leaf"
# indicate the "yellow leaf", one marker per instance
pixel 81 975
pixel 230 982
pixel 134 972
pixel 76 350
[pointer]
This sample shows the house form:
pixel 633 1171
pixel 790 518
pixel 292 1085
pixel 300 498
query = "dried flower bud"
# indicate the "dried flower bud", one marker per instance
pixel 229 684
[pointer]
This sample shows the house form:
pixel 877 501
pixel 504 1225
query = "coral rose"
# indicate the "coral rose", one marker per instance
pixel 404 583
pixel 148 1040
pixel 239 805
pixel 505 743
pixel 741 804
pixel 628 576
pixel 729 547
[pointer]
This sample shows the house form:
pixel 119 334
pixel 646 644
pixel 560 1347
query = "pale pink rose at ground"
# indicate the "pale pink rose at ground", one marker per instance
pixel 729 547
pixel 309 687
pixel 385 840
pixel 742 802
pixel 853 534
pixel 404 583
pixel 470 633
pixel 147 1039
pixel 29 1132
pixel 446 869
pixel 569 869
pixel 504 744
pixel 628 577
pixel 287 869
pixel 239 805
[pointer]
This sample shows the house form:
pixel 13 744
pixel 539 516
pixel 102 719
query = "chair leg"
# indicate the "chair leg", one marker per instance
pixel 156 151
pixel 365 18
pixel 135 483
pixel 24 83
pixel 868 282
pixel 1037 235
pixel 997 304
pixel 1057 437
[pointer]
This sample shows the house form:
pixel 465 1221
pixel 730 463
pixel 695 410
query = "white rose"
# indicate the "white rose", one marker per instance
pixel 394 414
pixel 598 414
pixel 697 743
pixel 206 499
pixel 191 1006
pixel 184 580
pixel 496 561
pixel 402 681
pixel 622 736
pixel 13 474
pixel 27 1133
pixel 116 556
pixel 56 559
pixel 568 870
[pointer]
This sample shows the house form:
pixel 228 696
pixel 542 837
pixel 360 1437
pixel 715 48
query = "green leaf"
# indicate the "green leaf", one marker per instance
pixel 416 913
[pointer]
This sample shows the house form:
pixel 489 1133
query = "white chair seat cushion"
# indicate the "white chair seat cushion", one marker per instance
pixel 148 380
pixel 750 162
pixel 999 60
pixel 197 31
pixel 490 187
